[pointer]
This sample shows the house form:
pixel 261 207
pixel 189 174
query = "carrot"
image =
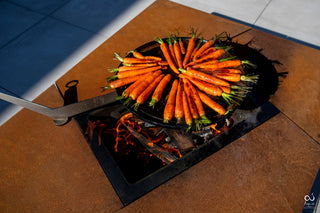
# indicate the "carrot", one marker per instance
pixel 131 73
pixel 204 47
pixel 177 52
pixel 166 52
pixel 131 60
pixel 205 77
pixel 178 111
pixel 208 62
pixel 190 47
pixel 227 64
pixel 230 70
pixel 127 68
pixel 163 63
pixel 206 52
pixel 121 82
pixel 235 77
pixel 196 49
pixel 225 89
pixel 147 92
pixel 127 91
pixel 186 110
pixel 192 107
pixel 211 103
pixel 170 105
pixel 196 99
pixel 204 86
pixel 181 44
pixel 137 54
pixel 171 48
pixel 159 90
pixel 142 86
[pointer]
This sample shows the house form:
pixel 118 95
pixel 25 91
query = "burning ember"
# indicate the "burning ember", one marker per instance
pixel 132 134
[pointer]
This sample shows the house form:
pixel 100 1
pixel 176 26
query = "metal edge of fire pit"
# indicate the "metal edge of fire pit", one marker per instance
pixel 129 192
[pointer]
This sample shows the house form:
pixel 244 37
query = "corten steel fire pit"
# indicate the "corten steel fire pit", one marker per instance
pixel 134 169
pixel 137 153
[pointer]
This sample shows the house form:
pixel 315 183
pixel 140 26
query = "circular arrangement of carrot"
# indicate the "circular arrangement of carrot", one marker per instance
pixel 198 74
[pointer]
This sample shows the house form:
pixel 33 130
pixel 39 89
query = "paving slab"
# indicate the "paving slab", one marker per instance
pixel 246 11
pixel 27 60
pixel 43 7
pixel 295 19
pixel 14 20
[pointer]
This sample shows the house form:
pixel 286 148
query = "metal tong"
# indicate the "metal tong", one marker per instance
pixel 62 115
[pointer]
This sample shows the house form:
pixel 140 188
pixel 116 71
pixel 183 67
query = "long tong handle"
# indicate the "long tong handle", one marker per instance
pixel 61 115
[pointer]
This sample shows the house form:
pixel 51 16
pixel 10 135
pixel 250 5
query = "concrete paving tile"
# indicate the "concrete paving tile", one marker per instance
pixel 15 20
pixel 26 61
pixel 93 15
pixel 296 19
pixel 245 10
pixel 45 7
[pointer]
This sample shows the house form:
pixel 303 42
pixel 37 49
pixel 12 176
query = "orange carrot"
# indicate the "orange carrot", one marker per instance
pixel 178 112
pixel 157 94
pixel 204 47
pixel 170 105
pixel 225 89
pixel 137 54
pixel 190 47
pixel 227 64
pixel 135 67
pixel 147 92
pixel 196 49
pixel 181 45
pixel 234 77
pixel 121 82
pixel 166 52
pixel 206 52
pixel 177 52
pixel 142 86
pixel 126 92
pixel 204 86
pixel 211 103
pixel 205 77
pixel 186 110
pixel 211 56
pixel 131 60
pixel 196 99
pixel 230 70
pixel 171 48
pixel 192 107
pixel 132 73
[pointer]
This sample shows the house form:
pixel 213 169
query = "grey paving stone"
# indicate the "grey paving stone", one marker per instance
pixel 14 20
pixel 92 15
pixel 32 56
pixel 41 6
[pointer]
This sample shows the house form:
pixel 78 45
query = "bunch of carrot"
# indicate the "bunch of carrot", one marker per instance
pixel 198 71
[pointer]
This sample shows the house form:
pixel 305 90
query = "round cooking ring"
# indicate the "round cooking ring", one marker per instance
pixel 154 116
